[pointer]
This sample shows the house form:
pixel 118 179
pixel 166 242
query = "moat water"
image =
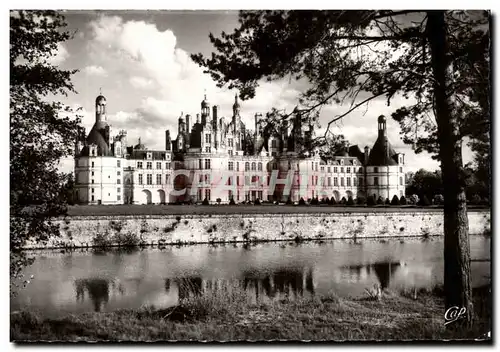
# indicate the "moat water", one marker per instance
pixel 89 280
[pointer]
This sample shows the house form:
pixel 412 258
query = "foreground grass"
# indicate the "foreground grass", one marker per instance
pixel 230 317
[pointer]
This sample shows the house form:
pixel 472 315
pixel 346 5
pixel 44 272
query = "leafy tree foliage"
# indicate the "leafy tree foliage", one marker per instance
pixel 395 200
pixel 42 131
pixel 426 183
pixel 437 60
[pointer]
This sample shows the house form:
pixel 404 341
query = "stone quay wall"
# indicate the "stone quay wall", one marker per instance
pixel 108 231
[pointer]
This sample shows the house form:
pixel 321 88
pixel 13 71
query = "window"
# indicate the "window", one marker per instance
pixel 207 164
pixel 92 181
pixel 260 194
pixel 118 181
pixel 247 180
pixel 230 142
pixel 400 169
pixel 247 166
pixel 375 181
pixel 118 164
pixel 92 164
pixel 341 170
pixel 92 173
pixel 335 181
pixel 253 166
pixel 158 165
pixel 208 138
pixel 322 169
pixel 329 181
pixel 316 166
pixel 312 165
pixel 118 189
pixel 140 179
pixel 329 169
pixel 149 179
pixel 342 181
pixel 230 165
pixel 207 149
pixel 230 152
pixel 118 197
pixel 139 164
pixel 92 190
pixel 158 179
pixel 259 166
pixel 167 179
pixel 92 198
pixel 360 169
pixel 401 181
pixel 348 170
pixel 237 166
pixel 354 181
pixel 273 143
pixel 361 182
pixel 149 165
pixel 335 170
pixel 207 194
pixel 118 173
pixel 316 183
pixel 148 155
pixel 375 169
pixel 200 164
pixel 348 180
pixel 237 180
pixel 93 152
pixel 207 178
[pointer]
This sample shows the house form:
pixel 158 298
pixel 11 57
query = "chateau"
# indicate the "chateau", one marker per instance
pixel 220 160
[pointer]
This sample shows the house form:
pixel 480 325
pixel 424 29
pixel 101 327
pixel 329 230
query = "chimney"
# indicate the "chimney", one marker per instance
pixel 168 141
pixel 197 118
pixel 188 124
pixel 367 154
pixel 215 108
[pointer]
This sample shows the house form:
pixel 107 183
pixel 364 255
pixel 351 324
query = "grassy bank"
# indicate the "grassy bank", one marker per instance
pixel 128 209
pixel 229 316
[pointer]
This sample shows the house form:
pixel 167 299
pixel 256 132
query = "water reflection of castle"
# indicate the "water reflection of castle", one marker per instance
pixel 275 284
pixel 281 282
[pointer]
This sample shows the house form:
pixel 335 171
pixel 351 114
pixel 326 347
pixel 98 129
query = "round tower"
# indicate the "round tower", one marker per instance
pixel 100 108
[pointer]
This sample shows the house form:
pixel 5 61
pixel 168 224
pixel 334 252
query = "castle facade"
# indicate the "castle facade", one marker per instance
pixel 220 160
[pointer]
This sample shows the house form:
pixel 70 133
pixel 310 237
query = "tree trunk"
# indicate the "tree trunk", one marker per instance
pixel 457 284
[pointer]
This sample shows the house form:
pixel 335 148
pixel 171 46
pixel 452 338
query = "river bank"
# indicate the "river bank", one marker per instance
pixel 408 315
pixel 215 226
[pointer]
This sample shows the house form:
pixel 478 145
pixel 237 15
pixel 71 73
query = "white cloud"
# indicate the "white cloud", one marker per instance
pixel 59 55
pixel 141 82
pixel 94 70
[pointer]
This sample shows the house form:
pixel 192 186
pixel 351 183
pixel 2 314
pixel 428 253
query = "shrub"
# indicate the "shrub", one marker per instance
pixel 257 202
pixel 205 202
pixel 343 201
pixel 128 239
pixel 402 201
pixel 476 199
pixel 438 199
pixel 101 239
pixel 332 201
pixel 395 200
pixel 289 201
pixel 361 200
pixel 370 201
pixel 350 201
pixel 302 201
pixel 387 201
pixel 414 199
pixel 380 200
pixel 424 201
pixel 218 200
pixel 314 201
pixel 231 201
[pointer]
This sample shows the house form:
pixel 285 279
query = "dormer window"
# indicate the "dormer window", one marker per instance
pixel 149 156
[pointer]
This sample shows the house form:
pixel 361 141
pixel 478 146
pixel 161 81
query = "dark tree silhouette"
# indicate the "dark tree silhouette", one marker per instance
pixel 42 131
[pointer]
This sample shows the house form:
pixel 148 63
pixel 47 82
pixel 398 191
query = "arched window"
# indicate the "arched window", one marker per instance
pixel 259 166
pixel 247 166
pixel 253 166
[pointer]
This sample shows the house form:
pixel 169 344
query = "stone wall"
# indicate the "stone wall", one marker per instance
pixel 189 229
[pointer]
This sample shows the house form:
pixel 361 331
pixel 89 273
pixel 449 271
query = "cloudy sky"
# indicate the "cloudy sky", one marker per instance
pixel 140 60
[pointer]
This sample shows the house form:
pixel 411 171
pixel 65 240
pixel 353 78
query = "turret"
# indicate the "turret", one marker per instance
pixel 205 110
pixel 382 128
pixel 168 141
pixel 100 108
